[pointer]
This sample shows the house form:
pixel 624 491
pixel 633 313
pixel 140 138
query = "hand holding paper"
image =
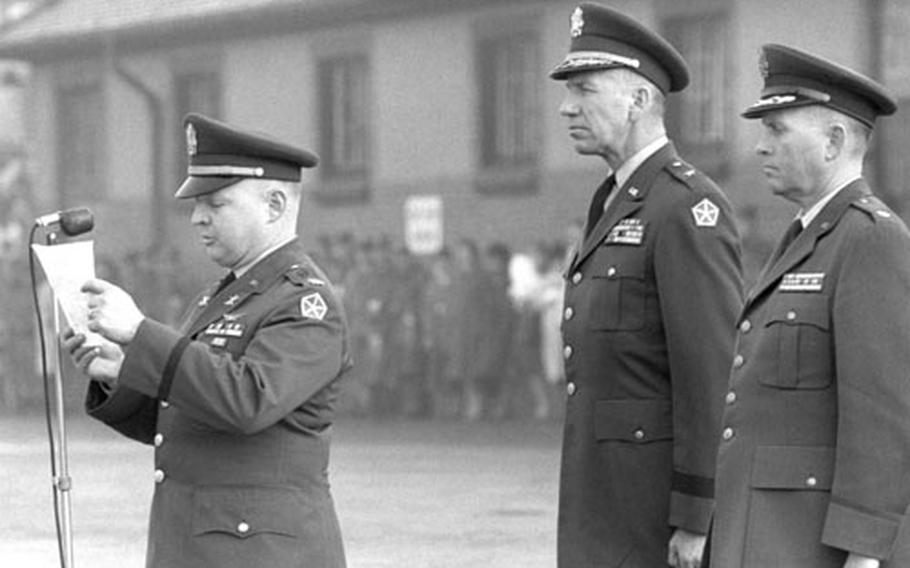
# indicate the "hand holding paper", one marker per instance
pixel 112 312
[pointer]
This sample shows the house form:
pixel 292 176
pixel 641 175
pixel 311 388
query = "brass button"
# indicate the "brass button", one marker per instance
pixel 728 433
pixel 611 272
pixel 568 313
pixel 791 315
pixel 567 351
pixel 576 278
pixel 639 434
pixel 159 439
pixel 738 361
pixel 159 475
pixel 745 326
pixel 243 527
pixel 811 481
pixel 570 389
pixel 731 397
pixel 165 404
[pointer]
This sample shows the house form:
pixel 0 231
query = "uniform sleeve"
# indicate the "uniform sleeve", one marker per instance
pixel 699 280
pixel 129 412
pixel 871 322
pixel 290 358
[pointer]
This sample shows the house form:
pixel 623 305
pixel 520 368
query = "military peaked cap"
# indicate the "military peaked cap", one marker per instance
pixel 221 155
pixel 794 78
pixel 603 38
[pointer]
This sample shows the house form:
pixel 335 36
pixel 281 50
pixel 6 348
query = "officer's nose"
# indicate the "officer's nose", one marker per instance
pixel 198 215
pixel 762 147
pixel 568 108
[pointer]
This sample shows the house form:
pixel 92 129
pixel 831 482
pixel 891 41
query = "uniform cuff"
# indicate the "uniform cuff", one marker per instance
pixel 862 531
pixel 690 513
pixel 146 357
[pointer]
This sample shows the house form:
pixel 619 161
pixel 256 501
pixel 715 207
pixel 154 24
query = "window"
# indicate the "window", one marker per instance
pixel 194 91
pixel 344 124
pixel 509 83
pixel 80 171
pixel 698 116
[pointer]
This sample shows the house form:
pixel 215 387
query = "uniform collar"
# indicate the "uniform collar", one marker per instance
pixel 806 217
pixel 627 168
pixel 246 268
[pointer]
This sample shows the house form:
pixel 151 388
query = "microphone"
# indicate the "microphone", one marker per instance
pixel 72 222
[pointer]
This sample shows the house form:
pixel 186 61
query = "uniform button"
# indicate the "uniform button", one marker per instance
pixel 576 278
pixel 639 434
pixel 243 527
pixel 567 351
pixel 745 326
pixel 159 439
pixel 791 315
pixel 731 397
pixel 569 313
pixel 738 361
pixel 165 404
pixel 611 272
pixel 159 475
pixel 570 389
pixel 811 481
pixel 728 433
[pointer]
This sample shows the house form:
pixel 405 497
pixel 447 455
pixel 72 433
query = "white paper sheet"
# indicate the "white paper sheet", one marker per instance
pixel 68 266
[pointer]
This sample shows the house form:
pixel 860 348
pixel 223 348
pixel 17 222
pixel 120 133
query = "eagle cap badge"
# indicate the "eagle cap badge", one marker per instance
pixel 191 142
pixel 578 22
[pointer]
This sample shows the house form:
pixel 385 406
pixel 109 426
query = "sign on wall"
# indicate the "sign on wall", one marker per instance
pixel 423 227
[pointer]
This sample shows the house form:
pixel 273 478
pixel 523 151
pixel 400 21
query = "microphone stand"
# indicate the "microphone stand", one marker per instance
pixel 60 466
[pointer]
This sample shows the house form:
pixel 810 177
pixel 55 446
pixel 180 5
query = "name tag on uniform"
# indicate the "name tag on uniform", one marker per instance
pixel 627 232
pixel 802 282
pixel 225 329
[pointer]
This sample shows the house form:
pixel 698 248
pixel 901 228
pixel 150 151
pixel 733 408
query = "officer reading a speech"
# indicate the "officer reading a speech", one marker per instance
pixel 238 401
pixel 812 465
pixel 651 301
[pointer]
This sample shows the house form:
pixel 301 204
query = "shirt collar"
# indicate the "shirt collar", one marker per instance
pixel 238 272
pixel 627 168
pixel 807 216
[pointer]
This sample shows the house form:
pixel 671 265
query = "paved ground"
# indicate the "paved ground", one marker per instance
pixel 409 494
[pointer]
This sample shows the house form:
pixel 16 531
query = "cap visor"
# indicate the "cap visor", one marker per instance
pixel 759 110
pixel 200 185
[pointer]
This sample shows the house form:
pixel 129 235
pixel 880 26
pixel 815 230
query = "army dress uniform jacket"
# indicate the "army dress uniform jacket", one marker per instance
pixel 815 453
pixel 650 309
pixel 238 404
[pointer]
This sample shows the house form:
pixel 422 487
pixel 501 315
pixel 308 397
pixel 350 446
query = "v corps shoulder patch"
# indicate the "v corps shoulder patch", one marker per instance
pixel 705 213
pixel 313 306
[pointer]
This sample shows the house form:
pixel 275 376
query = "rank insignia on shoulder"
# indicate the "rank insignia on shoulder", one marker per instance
pixel 705 213
pixel 627 232
pixel 313 306
pixel 802 282
pixel 315 282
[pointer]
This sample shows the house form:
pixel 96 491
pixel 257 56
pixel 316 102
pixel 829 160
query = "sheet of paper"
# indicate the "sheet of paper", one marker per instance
pixel 68 266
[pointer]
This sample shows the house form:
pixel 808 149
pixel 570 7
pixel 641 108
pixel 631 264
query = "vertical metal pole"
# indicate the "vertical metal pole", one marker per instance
pixel 62 481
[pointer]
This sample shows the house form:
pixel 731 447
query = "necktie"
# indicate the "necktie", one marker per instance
pixel 793 231
pixel 224 282
pixel 597 203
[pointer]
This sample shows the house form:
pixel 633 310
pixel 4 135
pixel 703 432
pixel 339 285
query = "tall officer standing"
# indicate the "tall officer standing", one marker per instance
pixel 813 464
pixel 650 308
pixel 239 400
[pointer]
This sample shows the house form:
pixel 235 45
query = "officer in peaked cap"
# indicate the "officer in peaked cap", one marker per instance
pixel 812 465
pixel 644 392
pixel 221 155
pixel 238 399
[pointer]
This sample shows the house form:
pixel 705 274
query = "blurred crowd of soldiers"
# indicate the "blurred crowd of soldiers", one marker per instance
pixel 469 333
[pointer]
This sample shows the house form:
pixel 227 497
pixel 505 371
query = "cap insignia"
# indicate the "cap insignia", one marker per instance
pixel 578 22
pixel 763 66
pixel 191 144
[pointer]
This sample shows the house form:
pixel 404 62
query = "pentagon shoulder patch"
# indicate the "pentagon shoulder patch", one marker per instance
pixel 705 213
pixel 313 306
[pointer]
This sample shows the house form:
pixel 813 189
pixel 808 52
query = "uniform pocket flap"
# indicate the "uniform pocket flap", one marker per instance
pixel 632 420
pixel 793 467
pixel 247 511
pixel 629 265
pixel 802 309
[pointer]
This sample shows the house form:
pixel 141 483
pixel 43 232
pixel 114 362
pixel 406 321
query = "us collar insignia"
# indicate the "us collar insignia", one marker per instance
pixel 578 22
pixel 802 282
pixel 232 301
pixel 204 301
pixel 192 144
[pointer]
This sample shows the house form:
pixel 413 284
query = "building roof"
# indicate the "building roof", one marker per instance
pixel 63 28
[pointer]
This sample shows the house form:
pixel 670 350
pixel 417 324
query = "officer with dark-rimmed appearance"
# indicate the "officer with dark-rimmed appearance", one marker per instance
pixel 651 301
pixel 812 465
pixel 238 401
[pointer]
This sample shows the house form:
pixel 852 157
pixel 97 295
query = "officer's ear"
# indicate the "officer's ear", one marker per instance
pixel 277 202
pixel 836 140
